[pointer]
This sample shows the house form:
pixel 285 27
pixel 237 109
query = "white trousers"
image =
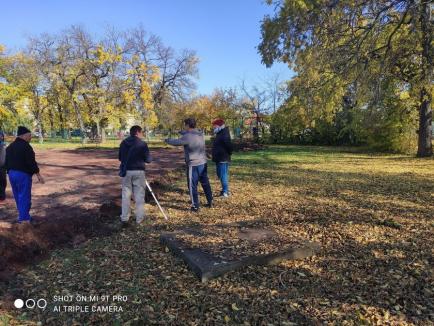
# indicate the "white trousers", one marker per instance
pixel 133 184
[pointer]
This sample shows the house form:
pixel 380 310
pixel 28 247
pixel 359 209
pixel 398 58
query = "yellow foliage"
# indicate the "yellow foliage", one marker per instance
pixel 4 112
pixel 128 96
pixel 103 56
pixel 404 95
pixel 151 119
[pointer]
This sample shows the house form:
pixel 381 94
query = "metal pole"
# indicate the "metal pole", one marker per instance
pixel 156 200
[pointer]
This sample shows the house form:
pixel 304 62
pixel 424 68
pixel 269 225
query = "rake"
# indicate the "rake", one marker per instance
pixel 156 200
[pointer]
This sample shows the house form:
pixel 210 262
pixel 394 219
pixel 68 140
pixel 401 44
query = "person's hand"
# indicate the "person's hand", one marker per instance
pixel 40 178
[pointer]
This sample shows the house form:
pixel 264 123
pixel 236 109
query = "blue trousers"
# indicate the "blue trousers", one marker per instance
pixel 21 184
pixel 196 174
pixel 223 175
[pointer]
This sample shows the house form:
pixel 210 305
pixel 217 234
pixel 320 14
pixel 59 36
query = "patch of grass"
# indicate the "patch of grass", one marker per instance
pixel 369 271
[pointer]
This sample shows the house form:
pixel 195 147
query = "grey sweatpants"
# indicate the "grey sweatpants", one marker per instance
pixel 133 184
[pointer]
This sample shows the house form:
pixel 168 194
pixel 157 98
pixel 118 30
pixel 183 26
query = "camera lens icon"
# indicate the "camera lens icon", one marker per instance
pixel 18 303
pixel 31 303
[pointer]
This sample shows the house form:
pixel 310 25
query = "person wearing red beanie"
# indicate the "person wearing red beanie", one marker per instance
pixel 221 154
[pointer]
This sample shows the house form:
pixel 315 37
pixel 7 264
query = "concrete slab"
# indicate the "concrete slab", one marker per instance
pixel 207 266
pixel 255 234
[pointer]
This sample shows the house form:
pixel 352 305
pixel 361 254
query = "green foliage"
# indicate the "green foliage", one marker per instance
pixel 390 123
pixel 387 124
pixel 368 51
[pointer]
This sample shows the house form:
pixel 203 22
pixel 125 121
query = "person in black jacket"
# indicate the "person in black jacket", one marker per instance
pixel 3 179
pixel 221 154
pixel 133 154
pixel 21 166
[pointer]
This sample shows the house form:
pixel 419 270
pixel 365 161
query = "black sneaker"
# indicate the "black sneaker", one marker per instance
pixel 209 205
pixel 34 222
pixel 194 209
pixel 26 222
pixel 125 224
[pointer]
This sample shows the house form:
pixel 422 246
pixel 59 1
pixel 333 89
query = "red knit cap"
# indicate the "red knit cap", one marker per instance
pixel 218 122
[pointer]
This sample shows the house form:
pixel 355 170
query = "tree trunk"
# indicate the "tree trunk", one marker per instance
pixel 51 117
pixel 425 110
pixel 62 122
pixel 40 136
pixel 80 122
pixel 424 148
pixel 256 129
pixel 103 135
pixel 98 129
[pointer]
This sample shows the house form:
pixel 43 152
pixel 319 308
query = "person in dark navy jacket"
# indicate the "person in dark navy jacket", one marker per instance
pixel 133 154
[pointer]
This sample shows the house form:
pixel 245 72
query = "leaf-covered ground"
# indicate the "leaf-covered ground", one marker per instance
pixel 372 215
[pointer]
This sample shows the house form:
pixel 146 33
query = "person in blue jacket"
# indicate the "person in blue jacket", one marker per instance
pixel 221 154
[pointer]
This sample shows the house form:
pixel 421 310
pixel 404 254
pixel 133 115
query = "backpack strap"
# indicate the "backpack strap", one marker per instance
pixel 123 167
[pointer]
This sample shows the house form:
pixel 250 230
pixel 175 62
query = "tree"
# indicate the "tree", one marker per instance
pixel 256 99
pixel 366 42
pixel 68 62
pixel 9 94
pixel 99 89
pixel 25 74
pixel 276 90
pixel 176 71
pixel 227 105
pixel 73 80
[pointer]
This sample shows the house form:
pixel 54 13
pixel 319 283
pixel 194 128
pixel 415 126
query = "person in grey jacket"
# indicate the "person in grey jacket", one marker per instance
pixel 193 141
pixel 3 179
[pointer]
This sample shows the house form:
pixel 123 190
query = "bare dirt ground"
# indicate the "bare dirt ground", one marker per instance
pixel 81 186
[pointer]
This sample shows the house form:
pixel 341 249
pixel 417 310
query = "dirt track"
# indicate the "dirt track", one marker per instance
pixel 67 207
pixel 81 180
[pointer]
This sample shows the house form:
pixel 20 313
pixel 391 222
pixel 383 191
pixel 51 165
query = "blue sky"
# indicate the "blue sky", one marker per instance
pixel 223 32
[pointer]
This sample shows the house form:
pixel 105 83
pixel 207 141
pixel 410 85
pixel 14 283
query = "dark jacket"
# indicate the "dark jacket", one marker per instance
pixel 139 154
pixel 222 146
pixel 2 155
pixel 21 157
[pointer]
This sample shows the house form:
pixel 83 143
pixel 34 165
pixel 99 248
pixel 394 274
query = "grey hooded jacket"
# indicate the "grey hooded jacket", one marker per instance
pixel 194 146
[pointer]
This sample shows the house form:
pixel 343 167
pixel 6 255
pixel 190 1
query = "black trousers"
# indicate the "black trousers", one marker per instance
pixel 3 183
